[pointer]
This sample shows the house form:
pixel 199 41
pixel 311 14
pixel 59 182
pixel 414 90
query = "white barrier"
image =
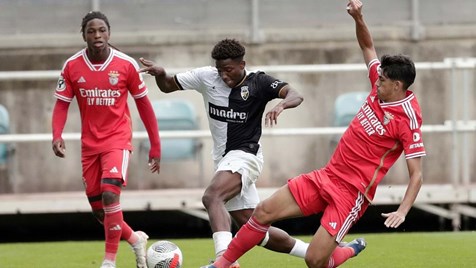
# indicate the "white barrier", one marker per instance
pixel 448 127
pixel 189 201
pixel 463 63
pixel 178 199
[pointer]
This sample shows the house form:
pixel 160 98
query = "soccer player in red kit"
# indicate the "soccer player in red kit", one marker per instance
pixel 387 124
pixel 100 77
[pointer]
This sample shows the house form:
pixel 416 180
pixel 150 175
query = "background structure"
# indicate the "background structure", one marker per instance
pixel 39 35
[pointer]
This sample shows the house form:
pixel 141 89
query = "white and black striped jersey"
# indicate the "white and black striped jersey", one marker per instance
pixel 234 114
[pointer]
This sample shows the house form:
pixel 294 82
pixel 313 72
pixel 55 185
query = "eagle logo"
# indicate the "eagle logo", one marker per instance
pixel 387 117
pixel 113 77
pixel 245 93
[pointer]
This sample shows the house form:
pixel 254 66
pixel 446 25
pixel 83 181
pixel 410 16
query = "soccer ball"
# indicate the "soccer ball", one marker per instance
pixel 164 254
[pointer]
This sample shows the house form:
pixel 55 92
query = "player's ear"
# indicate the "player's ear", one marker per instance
pixel 242 64
pixel 398 84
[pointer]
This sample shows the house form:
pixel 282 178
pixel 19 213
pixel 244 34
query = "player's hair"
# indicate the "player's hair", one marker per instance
pixel 94 15
pixel 228 49
pixel 398 67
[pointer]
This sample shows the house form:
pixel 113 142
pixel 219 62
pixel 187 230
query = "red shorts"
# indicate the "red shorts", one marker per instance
pixel 321 191
pixel 112 165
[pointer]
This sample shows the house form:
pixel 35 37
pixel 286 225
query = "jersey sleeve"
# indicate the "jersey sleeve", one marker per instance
pixel 135 82
pixel 374 67
pixel 192 79
pixel 60 114
pixel 63 90
pixel 411 136
pixel 269 86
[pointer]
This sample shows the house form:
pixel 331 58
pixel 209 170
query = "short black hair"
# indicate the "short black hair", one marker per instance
pixel 94 15
pixel 398 67
pixel 228 49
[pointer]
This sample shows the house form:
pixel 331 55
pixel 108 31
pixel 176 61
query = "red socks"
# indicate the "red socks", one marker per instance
pixel 247 237
pixel 113 222
pixel 340 255
pixel 127 233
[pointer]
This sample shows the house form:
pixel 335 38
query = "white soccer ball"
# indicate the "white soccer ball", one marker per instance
pixel 164 254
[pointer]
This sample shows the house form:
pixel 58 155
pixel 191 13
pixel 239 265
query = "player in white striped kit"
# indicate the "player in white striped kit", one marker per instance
pixel 235 100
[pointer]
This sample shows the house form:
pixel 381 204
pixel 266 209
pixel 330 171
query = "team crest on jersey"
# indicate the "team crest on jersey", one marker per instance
pixel 245 93
pixel 113 77
pixel 387 117
pixel 61 84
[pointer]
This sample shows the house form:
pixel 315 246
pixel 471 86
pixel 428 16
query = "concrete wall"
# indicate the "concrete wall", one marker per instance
pixel 34 168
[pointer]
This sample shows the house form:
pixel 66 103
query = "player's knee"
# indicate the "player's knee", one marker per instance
pixel 240 217
pixel 263 215
pixel 210 197
pixel 109 198
pixel 314 261
pixel 206 199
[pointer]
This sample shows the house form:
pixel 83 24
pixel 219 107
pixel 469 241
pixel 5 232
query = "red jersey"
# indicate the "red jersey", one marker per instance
pixel 376 137
pixel 101 91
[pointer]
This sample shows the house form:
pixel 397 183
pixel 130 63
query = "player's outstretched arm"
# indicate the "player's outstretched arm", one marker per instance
pixel 394 219
pixel 60 114
pixel 291 98
pixel 165 82
pixel 354 8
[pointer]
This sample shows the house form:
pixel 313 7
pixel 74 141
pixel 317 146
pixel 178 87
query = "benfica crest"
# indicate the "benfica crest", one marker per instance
pixel 245 93
pixel 387 117
pixel 113 77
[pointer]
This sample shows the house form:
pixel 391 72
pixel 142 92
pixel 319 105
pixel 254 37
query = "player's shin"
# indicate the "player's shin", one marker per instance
pixel 221 240
pixel 247 237
pixel 299 249
pixel 113 229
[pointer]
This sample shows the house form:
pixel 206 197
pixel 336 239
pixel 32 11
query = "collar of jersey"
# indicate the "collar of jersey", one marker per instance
pixel 242 80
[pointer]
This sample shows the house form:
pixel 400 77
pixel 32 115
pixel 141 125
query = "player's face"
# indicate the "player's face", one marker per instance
pixel 231 71
pixel 96 35
pixel 386 88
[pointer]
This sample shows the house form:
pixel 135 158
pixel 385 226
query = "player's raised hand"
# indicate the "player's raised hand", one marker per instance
pixel 354 8
pixel 59 148
pixel 394 219
pixel 271 117
pixel 154 165
pixel 151 68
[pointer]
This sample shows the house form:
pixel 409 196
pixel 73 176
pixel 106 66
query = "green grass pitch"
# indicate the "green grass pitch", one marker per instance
pixel 438 249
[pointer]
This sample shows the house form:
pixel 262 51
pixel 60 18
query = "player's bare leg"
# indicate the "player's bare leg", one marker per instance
pixel 325 252
pixel 224 186
pixel 320 249
pixel 280 205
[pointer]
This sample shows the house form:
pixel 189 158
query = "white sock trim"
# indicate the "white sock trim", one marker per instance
pixel 299 249
pixel 221 240
pixel 265 240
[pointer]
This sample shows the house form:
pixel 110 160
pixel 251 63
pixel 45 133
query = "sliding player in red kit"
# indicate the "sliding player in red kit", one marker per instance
pixel 387 124
pixel 101 78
